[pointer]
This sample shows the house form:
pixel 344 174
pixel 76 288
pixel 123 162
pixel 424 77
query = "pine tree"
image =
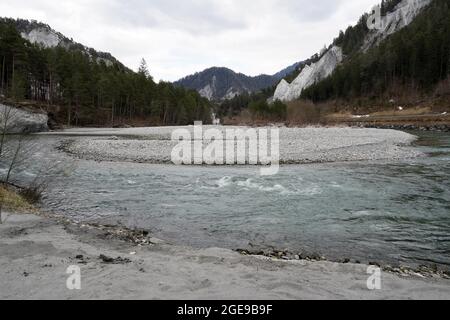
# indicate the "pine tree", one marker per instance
pixel 143 69
pixel 89 90
pixel 418 55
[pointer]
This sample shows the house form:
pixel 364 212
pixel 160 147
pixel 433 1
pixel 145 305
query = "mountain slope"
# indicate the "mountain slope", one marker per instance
pixel 287 71
pixel 218 84
pixel 309 75
pixel 81 86
pixel 43 35
pixel 413 61
pixel 356 39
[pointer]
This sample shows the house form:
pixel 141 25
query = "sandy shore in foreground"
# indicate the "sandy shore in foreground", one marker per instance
pixel 297 145
pixel 35 253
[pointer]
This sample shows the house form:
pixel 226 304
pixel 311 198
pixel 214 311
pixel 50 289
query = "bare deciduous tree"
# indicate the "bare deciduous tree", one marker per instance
pixel 16 150
pixel 6 118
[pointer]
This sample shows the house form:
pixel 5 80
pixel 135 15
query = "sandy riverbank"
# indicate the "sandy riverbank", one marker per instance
pixel 35 253
pixel 297 145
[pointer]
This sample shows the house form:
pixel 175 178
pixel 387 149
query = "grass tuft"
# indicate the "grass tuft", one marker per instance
pixel 11 200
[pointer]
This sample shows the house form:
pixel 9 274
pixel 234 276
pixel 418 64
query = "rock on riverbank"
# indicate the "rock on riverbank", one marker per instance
pixel 23 121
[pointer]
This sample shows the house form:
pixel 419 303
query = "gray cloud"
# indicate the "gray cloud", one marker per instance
pixel 194 16
pixel 179 37
pixel 307 10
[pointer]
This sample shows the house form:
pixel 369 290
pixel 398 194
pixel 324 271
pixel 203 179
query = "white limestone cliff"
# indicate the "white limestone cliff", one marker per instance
pixel 309 75
pixel 403 14
pixel 43 36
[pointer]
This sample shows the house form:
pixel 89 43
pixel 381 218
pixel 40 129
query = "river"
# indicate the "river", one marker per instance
pixel 389 212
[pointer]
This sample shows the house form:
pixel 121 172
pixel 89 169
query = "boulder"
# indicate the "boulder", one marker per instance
pixel 22 121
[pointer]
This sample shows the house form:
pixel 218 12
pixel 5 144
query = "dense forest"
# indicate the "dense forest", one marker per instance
pixel 235 106
pixel 350 41
pixel 417 57
pixel 85 87
pixel 90 91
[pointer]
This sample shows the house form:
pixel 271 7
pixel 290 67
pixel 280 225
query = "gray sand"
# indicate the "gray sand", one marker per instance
pixel 297 145
pixel 35 253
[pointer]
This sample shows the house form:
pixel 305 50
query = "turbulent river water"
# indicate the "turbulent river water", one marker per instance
pixel 389 212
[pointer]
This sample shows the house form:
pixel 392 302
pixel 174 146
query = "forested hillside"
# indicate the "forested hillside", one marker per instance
pixel 221 84
pixel 409 66
pixel 416 58
pixel 87 91
pixel 352 40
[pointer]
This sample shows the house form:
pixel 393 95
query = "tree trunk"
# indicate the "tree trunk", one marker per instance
pixel 112 113
pixel 6 117
pixel 3 74
pixel 12 78
pixel 50 89
pixel 69 113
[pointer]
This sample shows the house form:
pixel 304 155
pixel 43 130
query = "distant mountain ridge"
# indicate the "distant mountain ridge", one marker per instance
pixel 219 83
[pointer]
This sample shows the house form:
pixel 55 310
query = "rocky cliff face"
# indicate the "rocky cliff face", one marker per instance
pixel 43 35
pixel 309 75
pixel 403 14
pixel 22 121
pixel 218 84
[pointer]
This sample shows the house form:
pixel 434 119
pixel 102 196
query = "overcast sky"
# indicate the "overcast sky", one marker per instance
pixel 180 37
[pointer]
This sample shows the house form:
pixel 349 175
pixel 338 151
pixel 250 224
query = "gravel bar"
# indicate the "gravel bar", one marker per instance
pixel 297 145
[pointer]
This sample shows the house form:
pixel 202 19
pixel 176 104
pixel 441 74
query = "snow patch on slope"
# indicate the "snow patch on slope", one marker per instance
pixel 42 36
pixel 309 75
